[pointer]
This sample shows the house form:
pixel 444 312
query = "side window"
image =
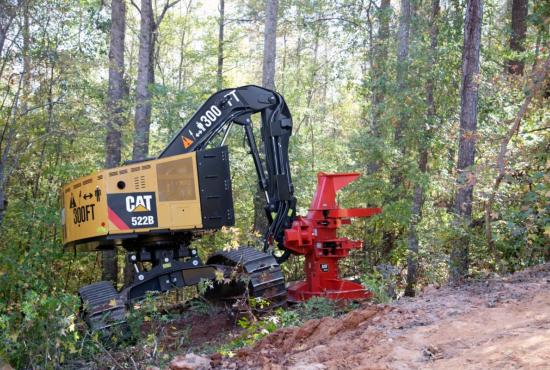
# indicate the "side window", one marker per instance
pixel 176 180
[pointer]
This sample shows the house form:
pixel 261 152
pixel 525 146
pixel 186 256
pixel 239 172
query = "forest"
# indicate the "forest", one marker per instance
pixel 442 106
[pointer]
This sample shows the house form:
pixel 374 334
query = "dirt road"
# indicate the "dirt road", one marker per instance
pixel 499 323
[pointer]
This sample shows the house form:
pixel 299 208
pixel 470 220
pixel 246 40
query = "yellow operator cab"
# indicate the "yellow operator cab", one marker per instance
pixel 183 192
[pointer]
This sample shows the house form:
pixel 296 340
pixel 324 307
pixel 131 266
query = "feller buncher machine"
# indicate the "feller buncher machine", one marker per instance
pixel 154 209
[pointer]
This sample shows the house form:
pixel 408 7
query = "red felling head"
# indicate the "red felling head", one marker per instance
pixel 327 186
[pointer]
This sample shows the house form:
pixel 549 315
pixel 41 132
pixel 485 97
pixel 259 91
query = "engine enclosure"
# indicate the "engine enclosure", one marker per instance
pixel 187 192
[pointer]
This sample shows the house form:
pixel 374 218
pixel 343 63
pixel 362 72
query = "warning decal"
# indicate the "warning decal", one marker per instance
pixel 186 142
pixel 132 210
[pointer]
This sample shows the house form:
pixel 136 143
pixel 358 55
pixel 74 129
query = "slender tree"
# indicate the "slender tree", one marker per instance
pixel 403 40
pixel 26 51
pixel 533 87
pixel 424 146
pixel 7 16
pixel 517 34
pixel 377 70
pixel 117 91
pixel 221 26
pixel 270 44
pixel 268 81
pixel 116 114
pixel 146 75
pixel 185 31
pixel 459 261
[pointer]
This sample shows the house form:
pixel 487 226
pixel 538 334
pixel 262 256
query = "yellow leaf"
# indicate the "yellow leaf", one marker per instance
pixel 72 348
pixel 219 275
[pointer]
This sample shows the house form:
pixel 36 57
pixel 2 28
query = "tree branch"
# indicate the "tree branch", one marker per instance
pixel 537 79
pixel 135 6
pixel 535 130
pixel 167 6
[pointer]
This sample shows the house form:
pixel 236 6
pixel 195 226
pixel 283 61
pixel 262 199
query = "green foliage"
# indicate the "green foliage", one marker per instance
pixel 376 283
pixel 289 317
pixel 318 307
pixel 144 313
pixel 201 307
pixel 54 122
pixel 40 330
pixel 38 323
pixel 254 329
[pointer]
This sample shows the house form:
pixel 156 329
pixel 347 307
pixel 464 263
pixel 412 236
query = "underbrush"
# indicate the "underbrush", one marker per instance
pixel 146 339
pixel 255 328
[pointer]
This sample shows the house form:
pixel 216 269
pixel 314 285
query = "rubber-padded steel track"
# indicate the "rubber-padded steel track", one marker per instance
pixel 264 275
pixel 102 307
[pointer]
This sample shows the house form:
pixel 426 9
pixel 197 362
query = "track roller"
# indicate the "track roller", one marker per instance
pixel 252 269
pixel 102 307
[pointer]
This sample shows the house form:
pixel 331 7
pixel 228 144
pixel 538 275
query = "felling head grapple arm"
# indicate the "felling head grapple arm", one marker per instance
pixel 235 106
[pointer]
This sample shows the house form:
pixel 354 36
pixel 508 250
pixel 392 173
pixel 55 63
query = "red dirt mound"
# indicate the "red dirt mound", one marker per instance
pixel 497 323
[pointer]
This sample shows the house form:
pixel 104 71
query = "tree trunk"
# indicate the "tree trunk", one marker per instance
pixel 116 93
pixel 3 32
pixel 6 141
pixel 3 200
pixel 378 67
pixel 26 59
pixel 418 198
pixel 537 82
pixel 7 14
pixel 219 80
pixel 402 65
pixel 270 44
pixel 403 39
pixel 185 30
pixel 378 76
pixel 459 261
pixel 115 119
pixel 268 81
pixel 517 34
pixel 145 77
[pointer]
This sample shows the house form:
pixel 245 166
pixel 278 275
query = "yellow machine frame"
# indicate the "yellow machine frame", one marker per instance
pixel 137 198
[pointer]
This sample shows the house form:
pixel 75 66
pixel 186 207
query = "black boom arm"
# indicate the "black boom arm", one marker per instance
pixel 235 106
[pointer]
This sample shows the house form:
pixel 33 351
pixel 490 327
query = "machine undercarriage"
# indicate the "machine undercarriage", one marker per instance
pixel 243 272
